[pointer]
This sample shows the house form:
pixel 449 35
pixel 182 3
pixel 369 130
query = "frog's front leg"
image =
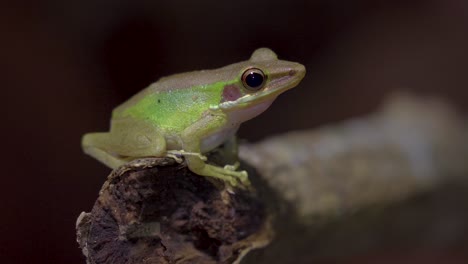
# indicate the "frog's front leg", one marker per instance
pixel 191 141
pixel 230 150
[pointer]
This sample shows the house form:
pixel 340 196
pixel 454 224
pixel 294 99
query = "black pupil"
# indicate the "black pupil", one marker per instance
pixel 254 79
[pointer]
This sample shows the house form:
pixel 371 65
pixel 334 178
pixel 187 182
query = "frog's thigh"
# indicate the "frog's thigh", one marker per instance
pixel 134 138
pixel 94 145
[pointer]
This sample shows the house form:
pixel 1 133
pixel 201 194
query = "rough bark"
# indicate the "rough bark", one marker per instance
pixel 157 211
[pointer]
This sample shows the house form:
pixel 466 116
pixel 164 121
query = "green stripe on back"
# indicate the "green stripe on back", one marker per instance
pixel 178 109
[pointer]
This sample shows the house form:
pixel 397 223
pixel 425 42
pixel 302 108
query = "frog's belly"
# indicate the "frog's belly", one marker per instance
pixel 212 141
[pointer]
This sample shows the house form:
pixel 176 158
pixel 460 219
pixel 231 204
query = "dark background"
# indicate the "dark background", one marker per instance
pixel 65 65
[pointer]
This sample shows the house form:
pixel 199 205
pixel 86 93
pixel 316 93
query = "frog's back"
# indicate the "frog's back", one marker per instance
pixel 176 101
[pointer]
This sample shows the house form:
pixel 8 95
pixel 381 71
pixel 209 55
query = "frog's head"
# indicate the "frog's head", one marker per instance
pixel 256 84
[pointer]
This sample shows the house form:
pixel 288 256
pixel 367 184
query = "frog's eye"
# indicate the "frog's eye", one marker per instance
pixel 253 79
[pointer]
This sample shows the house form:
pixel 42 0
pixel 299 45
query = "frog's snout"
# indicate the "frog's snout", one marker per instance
pixel 299 69
pixel 292 73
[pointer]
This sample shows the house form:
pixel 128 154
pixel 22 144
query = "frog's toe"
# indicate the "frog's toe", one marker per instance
pixel 244 177
pixel 233 181
pixel 202 157
pixel 175 157
pixel 233 167
pixel 231 178
pixel 185 153
pixel 229 167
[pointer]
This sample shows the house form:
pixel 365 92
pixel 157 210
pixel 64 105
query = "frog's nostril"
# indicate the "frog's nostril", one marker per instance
pixel 292 72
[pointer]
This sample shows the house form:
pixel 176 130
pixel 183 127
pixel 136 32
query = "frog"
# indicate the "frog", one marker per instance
pixel 187 115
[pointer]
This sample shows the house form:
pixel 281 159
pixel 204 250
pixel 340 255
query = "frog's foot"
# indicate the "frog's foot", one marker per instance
pixel 176 153
pixel 242 176
pixel 231 176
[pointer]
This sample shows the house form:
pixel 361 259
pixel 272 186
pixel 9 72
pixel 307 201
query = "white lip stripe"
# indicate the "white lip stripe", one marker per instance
pixel 243 114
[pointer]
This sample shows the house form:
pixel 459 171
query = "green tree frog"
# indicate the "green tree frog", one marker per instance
pixel 192 113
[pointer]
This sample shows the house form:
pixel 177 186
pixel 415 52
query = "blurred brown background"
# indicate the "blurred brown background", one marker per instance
pixel 65 65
